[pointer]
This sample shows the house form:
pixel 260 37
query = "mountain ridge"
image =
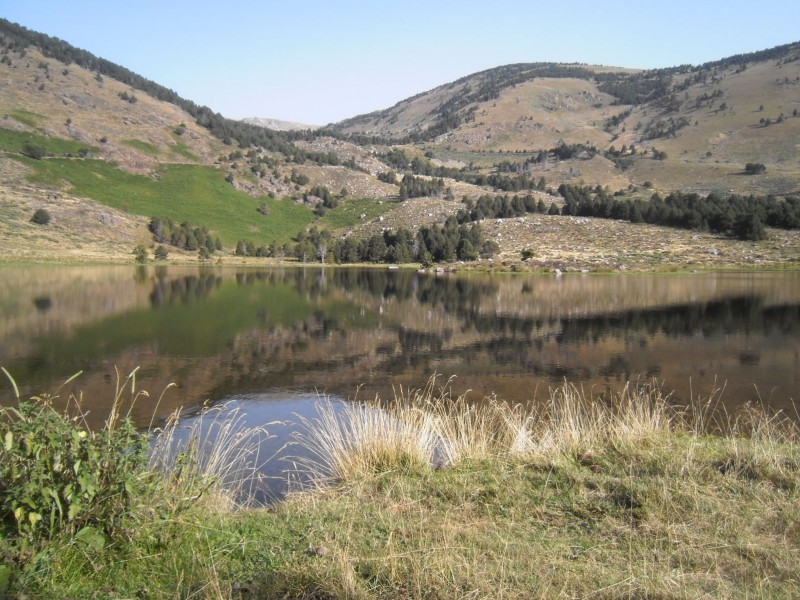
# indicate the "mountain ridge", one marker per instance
pixel 525 128
pixel 279 124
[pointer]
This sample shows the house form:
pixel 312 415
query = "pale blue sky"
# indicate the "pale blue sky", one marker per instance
pixel 322 61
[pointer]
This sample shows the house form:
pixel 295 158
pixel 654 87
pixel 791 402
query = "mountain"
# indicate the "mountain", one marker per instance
pixel 279 125
pixel 104 150
pixel 710 121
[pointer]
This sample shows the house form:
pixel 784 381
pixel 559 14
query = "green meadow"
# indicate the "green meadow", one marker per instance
pixel 182 192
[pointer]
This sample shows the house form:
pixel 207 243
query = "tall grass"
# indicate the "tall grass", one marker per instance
pixel 215 454
pixel 584 495
pixel 354 440
pixel 432 426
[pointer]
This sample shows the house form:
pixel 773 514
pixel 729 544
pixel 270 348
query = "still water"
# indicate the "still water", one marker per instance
pixel 283 333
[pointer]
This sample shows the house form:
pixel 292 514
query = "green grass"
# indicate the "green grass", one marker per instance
pixel 141 146
pixel 625 498
pixel 182 150
pixel 14 141
pixel 349 212
pixel 29 118
pixel 195 193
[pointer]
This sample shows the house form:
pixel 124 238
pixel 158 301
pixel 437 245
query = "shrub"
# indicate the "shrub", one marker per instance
pixel 161 252
pixel 34 151
pixel 58 477
pixel 41 216
pixel 140 253
pixel 750 228
pixel 755 168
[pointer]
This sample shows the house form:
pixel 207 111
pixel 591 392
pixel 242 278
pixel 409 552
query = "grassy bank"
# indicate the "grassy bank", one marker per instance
pixel 433 496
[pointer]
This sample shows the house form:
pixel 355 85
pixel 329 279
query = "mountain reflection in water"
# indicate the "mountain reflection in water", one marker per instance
pixel 220 332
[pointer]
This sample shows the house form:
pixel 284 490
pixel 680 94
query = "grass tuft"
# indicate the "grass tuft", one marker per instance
pixel 430 426
pixel 351 441
pixel 213 454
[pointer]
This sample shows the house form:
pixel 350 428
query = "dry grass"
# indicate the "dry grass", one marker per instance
pixel 583 497
pixel 429 426
pixel 214 453
pixel 622 496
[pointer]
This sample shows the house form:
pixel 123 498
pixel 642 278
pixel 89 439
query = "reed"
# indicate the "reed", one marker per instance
pixel 432 426
pixel 214 453
pixel 350 441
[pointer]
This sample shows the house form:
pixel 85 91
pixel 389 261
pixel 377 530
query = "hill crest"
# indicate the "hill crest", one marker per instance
pixel 494 133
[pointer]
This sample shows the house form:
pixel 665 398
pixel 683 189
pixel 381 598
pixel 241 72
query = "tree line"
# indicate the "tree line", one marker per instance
pixel 184 235
pixel 480 87
pixel 398 159
pixel 502 207
pixel 228 130
pixel 437 243
pixel 743 217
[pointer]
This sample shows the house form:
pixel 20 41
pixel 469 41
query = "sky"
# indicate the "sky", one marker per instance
pixel 318 61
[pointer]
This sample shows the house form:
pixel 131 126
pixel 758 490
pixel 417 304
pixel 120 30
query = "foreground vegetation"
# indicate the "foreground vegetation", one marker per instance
pixel 430 496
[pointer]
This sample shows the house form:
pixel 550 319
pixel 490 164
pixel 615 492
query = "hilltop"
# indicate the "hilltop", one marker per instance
pixel 709 121
pixel 279 125
pixel 103 150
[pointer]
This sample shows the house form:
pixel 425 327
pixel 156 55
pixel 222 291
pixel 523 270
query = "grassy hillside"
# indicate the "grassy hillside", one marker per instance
pixel 123 152
pixel 707 119
pixel 194 192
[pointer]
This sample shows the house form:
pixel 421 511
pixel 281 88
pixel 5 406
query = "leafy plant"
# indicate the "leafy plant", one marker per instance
pixel 755 168
pixel 57 476
pixel 161 252
pixel 33 150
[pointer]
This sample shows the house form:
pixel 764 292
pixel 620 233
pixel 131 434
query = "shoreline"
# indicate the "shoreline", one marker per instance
pixel 630 497
pixel 483 266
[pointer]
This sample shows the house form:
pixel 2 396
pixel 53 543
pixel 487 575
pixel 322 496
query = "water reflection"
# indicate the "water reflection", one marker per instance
pixel 219 332
pixel 256 437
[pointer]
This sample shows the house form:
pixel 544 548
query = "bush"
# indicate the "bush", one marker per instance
pixel 755 168
pixel 41 216
pixel 140 253
pixel 750 228
pixel 161 252
pixel 34 151
pixel 58 477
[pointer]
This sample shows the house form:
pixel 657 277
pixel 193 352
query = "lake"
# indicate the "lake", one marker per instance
pixel 279 336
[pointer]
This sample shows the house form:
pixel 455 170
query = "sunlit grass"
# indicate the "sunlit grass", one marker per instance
pixel 432 495
pixel 15 141
pixel 616 496
pixel 431 426
pixel 29 118
pixel 348 213
pixel 182 192
pixel 142 146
